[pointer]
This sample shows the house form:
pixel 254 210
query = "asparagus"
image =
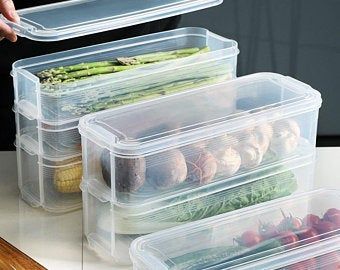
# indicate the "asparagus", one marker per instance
pixel 138 96
pixel 82 66
pixel 84 70
pixel 157 57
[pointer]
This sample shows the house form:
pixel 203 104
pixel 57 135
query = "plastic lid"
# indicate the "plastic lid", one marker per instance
pixel 233 241
pixel 186 118
pixel 75 18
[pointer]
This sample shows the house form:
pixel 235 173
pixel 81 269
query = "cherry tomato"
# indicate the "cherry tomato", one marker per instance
pixel 289 223
pixel 249 239
pixel 308 235
pixel 333 215
pixel 268 230
pixel 288 239
pixel 325 228
pixel 311 220
pixel 331 212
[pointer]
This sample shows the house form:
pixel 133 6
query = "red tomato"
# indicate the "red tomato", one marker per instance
pixel 249 239
pixel 311 220
pixel 331 212
pixel 268 230
pixel 288 239
pixel 308 235
pixel 325 228
pixel 289 223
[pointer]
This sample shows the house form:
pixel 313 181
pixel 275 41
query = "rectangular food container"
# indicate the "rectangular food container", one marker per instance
pixel 213 58
pixel 50 141
pixel 297 232
pixel 110 229
pixel 52 184
pixel 192 148
pixel 47 115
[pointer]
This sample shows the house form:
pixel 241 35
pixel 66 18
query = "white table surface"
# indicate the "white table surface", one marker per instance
pixel 56 242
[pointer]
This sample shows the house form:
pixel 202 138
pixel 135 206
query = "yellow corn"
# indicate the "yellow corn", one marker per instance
pixel 67 179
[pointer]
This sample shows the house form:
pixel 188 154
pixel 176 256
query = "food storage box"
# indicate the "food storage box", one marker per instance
pixel 298 232
pixel 59 88
pixel 110 229
pixel 50 141
pixel 52 184
pixel 148 153
pixel 191 149
pixel 47 112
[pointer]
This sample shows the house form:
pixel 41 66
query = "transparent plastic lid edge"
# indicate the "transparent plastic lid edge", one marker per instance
pixel 38 31
pixel 104 137
pixel 139 255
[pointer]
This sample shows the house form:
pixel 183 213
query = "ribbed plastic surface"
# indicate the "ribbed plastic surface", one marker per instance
pixel 299 232
pixel 74 18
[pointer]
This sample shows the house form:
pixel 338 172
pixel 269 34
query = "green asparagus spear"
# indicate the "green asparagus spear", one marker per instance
pixel 83 66
pixel 83 70
pixel 90 72
pixel 156 57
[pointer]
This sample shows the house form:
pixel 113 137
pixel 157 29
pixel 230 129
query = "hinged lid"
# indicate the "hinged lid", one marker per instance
pixel 182 119
pixel 74 18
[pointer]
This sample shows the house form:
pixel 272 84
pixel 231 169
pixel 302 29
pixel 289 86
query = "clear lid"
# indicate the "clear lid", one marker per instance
pixel 199 114
pixel 281 234
pixel 74 18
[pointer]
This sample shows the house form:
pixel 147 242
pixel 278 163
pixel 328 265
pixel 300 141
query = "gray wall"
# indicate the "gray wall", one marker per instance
pixel 300 38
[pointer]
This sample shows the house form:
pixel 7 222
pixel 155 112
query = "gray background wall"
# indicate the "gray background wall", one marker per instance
pixel 300 38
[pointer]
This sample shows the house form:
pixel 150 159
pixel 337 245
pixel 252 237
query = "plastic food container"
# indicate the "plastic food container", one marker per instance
pixel 297 232
pixel 191 149
pixel 57 103
pixel 75 18
pixel 52 184
pixel 110 229
pixel 50 141
pixel 47 114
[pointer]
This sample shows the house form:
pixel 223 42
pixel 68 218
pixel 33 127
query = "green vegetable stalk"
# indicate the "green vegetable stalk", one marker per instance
pixel 85 70
pixel 224 257
pixel 265 189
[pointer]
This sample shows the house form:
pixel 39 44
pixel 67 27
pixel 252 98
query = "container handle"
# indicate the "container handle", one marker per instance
pixel 27 109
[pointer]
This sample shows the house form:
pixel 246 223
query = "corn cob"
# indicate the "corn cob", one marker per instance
pixel 67 180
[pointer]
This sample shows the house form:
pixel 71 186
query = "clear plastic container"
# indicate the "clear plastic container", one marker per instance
pixel 50 141
pixel 195 142
pixel 110 229
pixel 57 103
pixel 73 18
pixel 52 184
pixel 155 165
pixel 282 234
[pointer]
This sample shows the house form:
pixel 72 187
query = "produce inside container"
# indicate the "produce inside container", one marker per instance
pixel 61 87
pixel 209 136
pixel 266 236
pixel 50 184
pixel 110 229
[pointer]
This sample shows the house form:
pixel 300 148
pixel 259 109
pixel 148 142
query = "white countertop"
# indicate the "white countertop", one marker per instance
pixel 55 241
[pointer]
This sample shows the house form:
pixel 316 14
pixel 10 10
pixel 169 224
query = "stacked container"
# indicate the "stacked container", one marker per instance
pixel 200 153
pixel 299 232
pixel 194 146
pixel 47 114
